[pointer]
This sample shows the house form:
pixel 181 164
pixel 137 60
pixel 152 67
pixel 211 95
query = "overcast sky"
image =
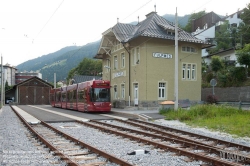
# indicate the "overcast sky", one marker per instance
pixel 32 28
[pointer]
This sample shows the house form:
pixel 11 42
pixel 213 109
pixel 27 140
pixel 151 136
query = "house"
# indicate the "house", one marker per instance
pixel 139 61
pixel 212 23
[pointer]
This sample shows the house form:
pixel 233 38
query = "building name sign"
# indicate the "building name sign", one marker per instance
pixel 161 55
pixel 119 74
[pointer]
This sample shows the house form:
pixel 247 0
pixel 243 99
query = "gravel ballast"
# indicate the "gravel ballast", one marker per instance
pixel 120 147
pixel 15 147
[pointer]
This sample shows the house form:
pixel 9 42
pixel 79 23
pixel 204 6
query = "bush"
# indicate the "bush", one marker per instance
pixel 239 74
pixel 209 77
pixel 212 99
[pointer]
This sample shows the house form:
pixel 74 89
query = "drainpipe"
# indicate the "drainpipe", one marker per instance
pixel 123 44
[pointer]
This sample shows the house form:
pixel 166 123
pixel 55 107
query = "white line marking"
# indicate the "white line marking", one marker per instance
pixel 116 117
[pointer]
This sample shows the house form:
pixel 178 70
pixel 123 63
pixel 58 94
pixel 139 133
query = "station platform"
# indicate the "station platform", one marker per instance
pixel 28 118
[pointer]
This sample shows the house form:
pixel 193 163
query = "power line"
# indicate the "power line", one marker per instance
pixel 49 19
pixel 136 10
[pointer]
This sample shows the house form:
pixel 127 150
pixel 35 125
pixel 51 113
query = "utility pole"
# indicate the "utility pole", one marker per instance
pixel 176 63
pixel 2 90
pixel 54 80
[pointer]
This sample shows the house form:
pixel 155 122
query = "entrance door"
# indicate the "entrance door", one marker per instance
pixel 136 93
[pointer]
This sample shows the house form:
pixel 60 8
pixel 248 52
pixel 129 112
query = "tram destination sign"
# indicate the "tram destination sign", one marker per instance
pixel 162 55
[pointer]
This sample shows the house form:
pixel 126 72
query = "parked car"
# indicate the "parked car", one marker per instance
pixel 8 100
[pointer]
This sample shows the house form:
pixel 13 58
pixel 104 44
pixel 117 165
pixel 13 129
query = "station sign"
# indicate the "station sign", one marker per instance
pixel 119 74
pixel 162 55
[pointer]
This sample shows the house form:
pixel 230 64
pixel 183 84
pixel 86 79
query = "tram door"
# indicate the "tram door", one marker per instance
pixel 136 94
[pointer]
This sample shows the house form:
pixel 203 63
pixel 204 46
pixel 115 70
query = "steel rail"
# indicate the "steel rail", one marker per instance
pixel 218 141
pixel 197 156
pixel 44 141
pixel 183 142
pixel 93 149
pixel 70 162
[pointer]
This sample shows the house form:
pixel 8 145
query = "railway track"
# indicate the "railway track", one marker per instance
pixel 211 153
pixel 186 135
pixel 69 149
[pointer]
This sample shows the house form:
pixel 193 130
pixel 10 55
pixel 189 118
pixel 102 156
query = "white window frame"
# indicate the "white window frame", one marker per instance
pixel 162 90
pixel 193 73
pixel 107 64
pixel 115 92
pixel 135 52
pixel 122 60
pixel 123 91
pixel 183 71
pixel 137 55
pixel 189 71
pixel 115 62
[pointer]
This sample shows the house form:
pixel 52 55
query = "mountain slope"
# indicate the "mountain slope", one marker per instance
pixel 59 62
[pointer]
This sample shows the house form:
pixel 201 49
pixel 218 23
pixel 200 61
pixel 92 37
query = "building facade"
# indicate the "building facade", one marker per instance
pixel 22 76
pixel 9 74
pixel 139 60
pixel 212 23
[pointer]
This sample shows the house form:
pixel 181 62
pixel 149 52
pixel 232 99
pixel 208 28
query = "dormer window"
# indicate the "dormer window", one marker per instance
pixel 171 33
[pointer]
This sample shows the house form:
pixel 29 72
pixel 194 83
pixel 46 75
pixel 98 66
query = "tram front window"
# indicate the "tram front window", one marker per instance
pixel 100 95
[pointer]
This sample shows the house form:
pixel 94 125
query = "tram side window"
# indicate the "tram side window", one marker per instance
pixel 80 96
pixel 58 96
pixel 74 95
pixel 64 97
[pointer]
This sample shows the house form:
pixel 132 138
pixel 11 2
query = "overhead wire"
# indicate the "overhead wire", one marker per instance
pixel 49 20
pixel 122 20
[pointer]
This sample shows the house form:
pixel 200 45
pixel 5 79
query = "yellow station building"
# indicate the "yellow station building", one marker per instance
pixel 139 60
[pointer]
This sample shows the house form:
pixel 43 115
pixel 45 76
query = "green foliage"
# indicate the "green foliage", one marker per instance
pixel 7 87
pixel 243 55
pixel 226 37
pixel 60 62
pixel 86 67
pixel 193 16
pixel 244 28
pixel 209 76
pixel 217 117
pixel 216 64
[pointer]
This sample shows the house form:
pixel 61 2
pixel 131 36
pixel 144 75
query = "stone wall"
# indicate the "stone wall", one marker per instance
pixel 230 94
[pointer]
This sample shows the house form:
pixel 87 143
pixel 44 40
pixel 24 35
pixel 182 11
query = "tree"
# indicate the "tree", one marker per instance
pixel 216 64
pixel 86 67
pixel 188 27
pixel 243 56
pixel 7 87
pixel 226 37
pixel 244 28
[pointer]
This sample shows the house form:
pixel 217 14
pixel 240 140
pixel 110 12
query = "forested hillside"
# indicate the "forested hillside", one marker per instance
pixel 60 62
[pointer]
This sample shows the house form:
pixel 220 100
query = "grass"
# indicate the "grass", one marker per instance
pixel 217 117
